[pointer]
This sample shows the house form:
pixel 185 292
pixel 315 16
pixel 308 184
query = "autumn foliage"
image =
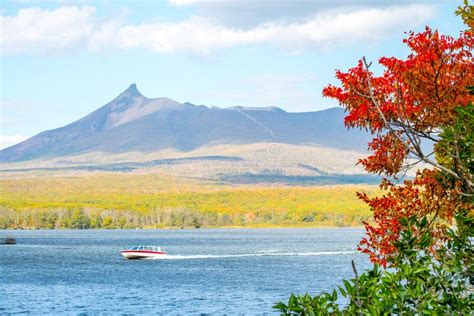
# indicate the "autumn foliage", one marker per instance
pixel 407 109
pixel 420 110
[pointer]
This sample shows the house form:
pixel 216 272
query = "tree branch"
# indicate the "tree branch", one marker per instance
pixel 417 151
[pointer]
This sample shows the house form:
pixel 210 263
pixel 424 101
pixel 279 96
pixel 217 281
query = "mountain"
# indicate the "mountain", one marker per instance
pixel 133 133
pixel 134 123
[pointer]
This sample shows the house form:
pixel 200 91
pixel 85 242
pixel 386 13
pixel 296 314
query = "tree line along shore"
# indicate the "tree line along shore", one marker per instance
pixel 167 218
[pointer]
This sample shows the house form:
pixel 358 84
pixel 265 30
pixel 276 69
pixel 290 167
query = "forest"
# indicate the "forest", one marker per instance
pixel 107 200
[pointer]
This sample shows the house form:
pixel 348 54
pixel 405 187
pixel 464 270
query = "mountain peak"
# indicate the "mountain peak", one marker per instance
pixel 132 91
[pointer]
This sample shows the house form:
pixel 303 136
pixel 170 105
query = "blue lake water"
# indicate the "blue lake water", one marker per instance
pixel 209 271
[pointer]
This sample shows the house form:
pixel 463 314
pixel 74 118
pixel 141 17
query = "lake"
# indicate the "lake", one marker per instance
pixel 209 271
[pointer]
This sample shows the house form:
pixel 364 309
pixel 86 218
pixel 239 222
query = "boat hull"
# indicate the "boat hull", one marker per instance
pixel 142 254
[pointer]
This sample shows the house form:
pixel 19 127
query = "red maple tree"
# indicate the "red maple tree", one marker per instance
pixel 406 109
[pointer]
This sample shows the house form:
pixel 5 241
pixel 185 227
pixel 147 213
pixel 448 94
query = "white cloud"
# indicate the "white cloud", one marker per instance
pixel 200 36
pixel 71 27
pixel 10 140
pixel 34 29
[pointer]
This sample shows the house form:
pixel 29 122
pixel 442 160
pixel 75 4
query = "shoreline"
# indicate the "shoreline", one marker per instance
pixel 194 228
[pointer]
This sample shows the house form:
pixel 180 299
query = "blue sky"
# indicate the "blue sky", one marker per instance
pixel 61 60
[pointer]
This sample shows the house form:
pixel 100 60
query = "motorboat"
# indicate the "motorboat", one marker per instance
pixel 143 252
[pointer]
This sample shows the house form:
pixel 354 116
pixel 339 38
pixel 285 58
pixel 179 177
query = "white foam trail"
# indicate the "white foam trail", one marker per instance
pixel 259 254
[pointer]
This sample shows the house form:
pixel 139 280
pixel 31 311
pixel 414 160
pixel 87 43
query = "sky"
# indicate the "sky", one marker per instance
pixel 60 60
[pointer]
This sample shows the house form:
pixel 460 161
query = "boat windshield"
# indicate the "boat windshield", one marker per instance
pixel 148 248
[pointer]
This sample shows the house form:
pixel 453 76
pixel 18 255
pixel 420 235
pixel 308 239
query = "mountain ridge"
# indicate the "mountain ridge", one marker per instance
pixel 133 122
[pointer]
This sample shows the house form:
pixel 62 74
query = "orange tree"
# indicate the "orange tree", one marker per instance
pixel 421 115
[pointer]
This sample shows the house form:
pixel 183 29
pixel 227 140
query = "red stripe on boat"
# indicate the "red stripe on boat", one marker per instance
pixel 144 251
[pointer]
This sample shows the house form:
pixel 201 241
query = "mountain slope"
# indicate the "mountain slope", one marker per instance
pixel 133 122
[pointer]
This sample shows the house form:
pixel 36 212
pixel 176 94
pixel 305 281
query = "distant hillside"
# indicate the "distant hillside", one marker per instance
pixel 133 122
pixel 136 134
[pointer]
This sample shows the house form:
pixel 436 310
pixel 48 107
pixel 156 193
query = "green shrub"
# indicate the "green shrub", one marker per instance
pixel 419 281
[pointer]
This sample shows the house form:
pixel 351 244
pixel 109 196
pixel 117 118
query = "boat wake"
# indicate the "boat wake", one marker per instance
pixel 257 254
